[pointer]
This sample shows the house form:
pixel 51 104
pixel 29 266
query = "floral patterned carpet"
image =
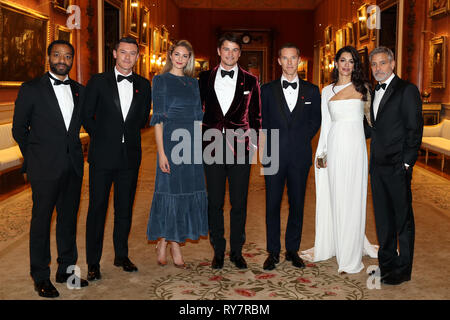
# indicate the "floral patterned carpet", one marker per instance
pixel 318 281
pixel 315 282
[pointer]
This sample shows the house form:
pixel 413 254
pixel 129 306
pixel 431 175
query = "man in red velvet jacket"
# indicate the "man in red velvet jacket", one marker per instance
pixel 232 105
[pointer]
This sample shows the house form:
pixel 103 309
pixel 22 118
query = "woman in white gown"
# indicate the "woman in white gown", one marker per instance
pixel 341 183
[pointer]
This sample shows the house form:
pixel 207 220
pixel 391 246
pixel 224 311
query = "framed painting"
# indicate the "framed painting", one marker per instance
pixel 63 33
pixel 252 60
pixel 340 40
pixel 438 48
pixel 24 38
pixel 332 51
pixel 349 35
pixel 302 70
pixel 328 34
pixel 143 66
pixel 438 7
pixel 164 39
pixel 363 30
pixel 364 55
pixel 145 25
pixel 132 18
pixel 201 65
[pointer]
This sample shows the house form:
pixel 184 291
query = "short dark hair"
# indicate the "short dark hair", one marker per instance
pixel 232 37
pixel 67 43
pixel 289 45
pixel 127 40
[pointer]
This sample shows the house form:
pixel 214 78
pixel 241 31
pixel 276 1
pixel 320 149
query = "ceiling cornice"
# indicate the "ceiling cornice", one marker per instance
pixel 249 4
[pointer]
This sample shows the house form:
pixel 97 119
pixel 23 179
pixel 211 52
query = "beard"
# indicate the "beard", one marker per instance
pixel 381 76
pixel 60 69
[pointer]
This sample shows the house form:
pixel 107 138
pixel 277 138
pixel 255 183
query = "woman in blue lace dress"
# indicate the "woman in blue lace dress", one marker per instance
pixel 179 206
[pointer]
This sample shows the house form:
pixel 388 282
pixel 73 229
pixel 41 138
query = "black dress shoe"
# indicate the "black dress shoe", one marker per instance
pixel 46 289
pixel 296 260
pixel 271 261
pixel 94 272
pixel 217 262
pixel 63 277
pixel 238 261
pixel 126 264
pixel 394 279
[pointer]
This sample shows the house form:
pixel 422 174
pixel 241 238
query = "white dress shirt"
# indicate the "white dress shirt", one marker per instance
pixel 379 95
pixel 125 88
pixel 225 88
pixel 290 94
pixel 65 99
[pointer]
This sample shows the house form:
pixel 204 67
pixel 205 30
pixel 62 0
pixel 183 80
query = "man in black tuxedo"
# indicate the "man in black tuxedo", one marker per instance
pixel 291 107
pixel 46 125
pixel 231 101
pixel 116 107
pixel 396 133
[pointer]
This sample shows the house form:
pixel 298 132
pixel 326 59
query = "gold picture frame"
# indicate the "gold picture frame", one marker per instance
pixel 164 38
pixel 132 18
pixel 438 8
pixel 155 41
pixel 365 65
pixel 25 37
pixel 201 65
pixel 363 30
pixel 61 5
pixel 302 70
pixel 145 26
pixel 349 35
pixel 438 54
pixel 328 34
pixel 340 40
pixel 63 33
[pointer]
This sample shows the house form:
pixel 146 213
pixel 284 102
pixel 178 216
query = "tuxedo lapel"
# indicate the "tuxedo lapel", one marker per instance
pixel 389 91
pixel 76 99
pixel 112 83
pixel 52 100
pixel 372 115
pixel 212 92
pixel 279 97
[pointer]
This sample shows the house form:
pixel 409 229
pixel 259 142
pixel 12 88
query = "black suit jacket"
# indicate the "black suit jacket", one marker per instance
pixel 244 112
pixel 296 129
pixel 103 120
pixel 39 129
pixel 397 130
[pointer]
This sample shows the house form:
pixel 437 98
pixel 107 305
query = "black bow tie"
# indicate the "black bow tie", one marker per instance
pixel 121 77
pixel 58 82
pixel 378 86
pixel 227 73
pixel 287 84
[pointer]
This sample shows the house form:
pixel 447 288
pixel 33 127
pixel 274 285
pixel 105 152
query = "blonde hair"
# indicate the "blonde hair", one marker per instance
pixel 189 69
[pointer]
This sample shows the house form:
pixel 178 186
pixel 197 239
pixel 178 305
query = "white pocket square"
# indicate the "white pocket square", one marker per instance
pixel 308 102
pixel 246 92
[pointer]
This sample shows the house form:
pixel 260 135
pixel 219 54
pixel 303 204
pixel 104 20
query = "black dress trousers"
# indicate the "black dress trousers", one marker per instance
pixel 64 193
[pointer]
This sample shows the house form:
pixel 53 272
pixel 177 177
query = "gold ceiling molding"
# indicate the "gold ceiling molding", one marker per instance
pixel 250 4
